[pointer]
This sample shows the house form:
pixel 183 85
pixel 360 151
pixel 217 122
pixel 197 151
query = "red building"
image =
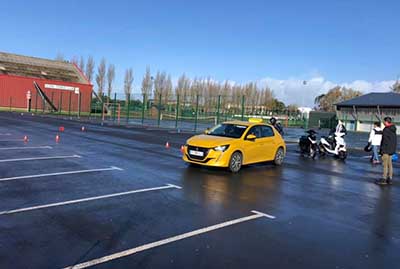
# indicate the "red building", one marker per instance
pixel 59 85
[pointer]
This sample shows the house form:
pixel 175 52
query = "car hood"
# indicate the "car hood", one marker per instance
pixel 209 141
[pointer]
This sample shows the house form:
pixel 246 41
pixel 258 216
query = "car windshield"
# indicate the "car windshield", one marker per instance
pixel 228 130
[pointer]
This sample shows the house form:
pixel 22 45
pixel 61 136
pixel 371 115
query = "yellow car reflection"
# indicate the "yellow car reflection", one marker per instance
pixel 236 143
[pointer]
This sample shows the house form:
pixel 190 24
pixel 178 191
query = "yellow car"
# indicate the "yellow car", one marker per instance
pixel 236 143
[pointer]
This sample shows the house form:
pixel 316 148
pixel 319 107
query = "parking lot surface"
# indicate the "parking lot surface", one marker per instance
pixel 110 197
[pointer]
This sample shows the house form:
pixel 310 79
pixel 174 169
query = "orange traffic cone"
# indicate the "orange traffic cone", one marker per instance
pixel 183 149
pixel 167 145
pixel 57 138
pixel 25 138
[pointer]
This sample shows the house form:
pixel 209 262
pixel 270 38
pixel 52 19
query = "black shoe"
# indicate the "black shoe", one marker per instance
pixel 389 181
pixel 381 182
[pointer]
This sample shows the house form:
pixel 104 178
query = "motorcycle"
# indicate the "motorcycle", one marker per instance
pixel 334 144
pixel 308 144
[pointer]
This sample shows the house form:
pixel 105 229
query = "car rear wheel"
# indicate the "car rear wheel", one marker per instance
pixel 279 156
pixel 235 163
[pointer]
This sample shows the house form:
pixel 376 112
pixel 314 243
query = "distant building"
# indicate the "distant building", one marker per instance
pixel 361 112
pixel 305 111
pixel 49 84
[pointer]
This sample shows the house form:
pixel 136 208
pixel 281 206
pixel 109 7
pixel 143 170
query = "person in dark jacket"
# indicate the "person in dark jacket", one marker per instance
pixel 276 125
pixel 388 148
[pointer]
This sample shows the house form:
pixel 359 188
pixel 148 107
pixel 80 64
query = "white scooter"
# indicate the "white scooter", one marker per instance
pixel 334 144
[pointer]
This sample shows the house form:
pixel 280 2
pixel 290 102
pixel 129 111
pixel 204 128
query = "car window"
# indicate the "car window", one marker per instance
pixel 228 130
pixel 255 130
pixel 267 131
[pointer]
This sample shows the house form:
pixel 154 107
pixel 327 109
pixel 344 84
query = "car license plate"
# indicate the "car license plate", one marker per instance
pixel 196 153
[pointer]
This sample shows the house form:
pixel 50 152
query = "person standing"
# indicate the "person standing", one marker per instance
pixel 388 148
pixel 375 139
pixel 273 121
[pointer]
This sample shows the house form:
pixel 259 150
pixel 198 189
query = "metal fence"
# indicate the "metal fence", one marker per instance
pixel 186 113
pixel 177 112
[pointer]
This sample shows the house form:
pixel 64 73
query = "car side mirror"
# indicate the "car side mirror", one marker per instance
pixel 251 137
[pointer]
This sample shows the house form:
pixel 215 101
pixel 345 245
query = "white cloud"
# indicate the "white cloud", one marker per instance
pixel 295 91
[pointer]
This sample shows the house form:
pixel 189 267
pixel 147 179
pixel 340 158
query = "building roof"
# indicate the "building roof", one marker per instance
pixel 382 99
pixel 25 66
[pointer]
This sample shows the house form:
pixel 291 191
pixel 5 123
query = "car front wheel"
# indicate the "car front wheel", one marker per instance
pixel 279 156
pixel 235 162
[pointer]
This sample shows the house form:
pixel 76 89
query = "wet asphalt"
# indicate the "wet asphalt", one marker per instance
pixel 329 214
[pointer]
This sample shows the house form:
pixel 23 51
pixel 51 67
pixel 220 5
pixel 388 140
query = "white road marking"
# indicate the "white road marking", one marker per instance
pixel 62 173
pixel 132 251
pixel 22 148
pixel 13 211
pixel 39 158
pixel 6 134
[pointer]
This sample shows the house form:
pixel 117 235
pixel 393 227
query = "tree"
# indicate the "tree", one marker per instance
pixel 89 69
pixel 326 102
pixel 168 89
pixel 82 64
pixel 128 83
pixel 159 85
pixel 278 105
pixel 292 108
pixel 147 83
pixel 110 80
pixel 396 87
pixel 182 88
pixel 74 60
pixel 59 57
pixel 101 77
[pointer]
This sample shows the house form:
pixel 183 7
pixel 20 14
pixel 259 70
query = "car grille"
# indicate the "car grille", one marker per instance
pixel 204 150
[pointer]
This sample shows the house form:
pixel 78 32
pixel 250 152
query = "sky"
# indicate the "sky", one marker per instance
pixel 279 43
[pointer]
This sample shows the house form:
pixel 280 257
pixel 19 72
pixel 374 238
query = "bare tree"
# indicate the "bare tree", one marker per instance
pixel 182 88
pixel 147 83
pixel 110 80
pixel 89 69
pixel 74 60
pixel 101 77
pixel 128 83
pixel 59 57
pixel 396 87
pixel 168 89
pixel 159 85
pixel 82 64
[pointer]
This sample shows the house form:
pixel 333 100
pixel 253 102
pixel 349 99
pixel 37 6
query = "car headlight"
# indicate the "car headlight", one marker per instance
pixel 221 148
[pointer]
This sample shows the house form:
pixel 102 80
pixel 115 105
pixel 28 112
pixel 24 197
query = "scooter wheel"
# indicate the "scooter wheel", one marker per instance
pixel 342 155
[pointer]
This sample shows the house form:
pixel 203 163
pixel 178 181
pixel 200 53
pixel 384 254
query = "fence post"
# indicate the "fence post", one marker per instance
pixel 36 102
pixel 177 111
pixel 69 104
pixel 159 111
pixel 90 106
pixel 114 106
pixel 79 105
pixel 218 108
pixel 143 107
pixel 197 112
pixel 52 99
pixel 243 100
pixel 60 103
pixel 102 110
pixel 128 109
